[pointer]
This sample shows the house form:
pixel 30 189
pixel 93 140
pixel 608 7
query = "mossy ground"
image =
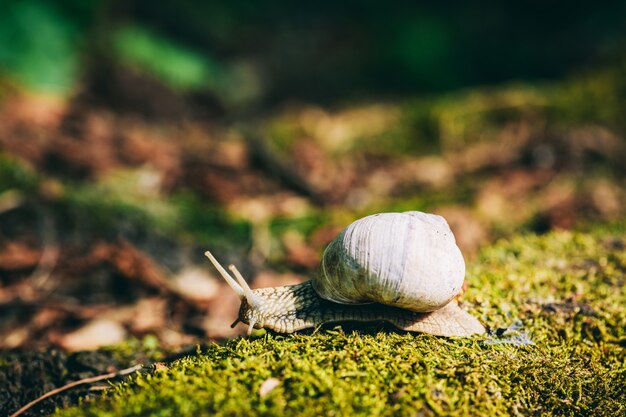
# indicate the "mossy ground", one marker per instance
pixel 563 291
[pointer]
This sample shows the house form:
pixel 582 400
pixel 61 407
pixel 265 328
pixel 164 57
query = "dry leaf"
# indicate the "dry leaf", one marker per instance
pixel 17 255
pixel 93 335
pixel 149 314
pixel 195 284
pixel 298 251
pixel 469 231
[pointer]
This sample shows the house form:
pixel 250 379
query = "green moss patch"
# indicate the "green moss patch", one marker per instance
pixel 554 305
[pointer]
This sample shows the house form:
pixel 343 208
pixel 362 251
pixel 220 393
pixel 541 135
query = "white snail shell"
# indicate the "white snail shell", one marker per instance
pixel 408 260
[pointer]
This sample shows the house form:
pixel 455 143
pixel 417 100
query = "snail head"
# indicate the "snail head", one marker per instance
pixel 251 304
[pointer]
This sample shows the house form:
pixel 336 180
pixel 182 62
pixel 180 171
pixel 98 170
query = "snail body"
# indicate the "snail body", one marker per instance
pixel 401 268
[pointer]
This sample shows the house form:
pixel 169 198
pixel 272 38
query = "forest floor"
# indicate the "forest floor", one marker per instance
pixel 555 309
pixel 105 216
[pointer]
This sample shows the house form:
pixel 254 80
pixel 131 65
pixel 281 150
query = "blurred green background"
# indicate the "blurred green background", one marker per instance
pixel 243 51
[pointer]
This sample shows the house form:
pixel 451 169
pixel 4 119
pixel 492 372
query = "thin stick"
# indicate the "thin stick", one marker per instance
pixel 75 383
pixel 50 253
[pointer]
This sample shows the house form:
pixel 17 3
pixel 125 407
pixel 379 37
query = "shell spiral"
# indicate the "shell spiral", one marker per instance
pixel 408 260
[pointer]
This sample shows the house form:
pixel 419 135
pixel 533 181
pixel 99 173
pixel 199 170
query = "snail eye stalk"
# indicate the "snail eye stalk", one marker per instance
pixel 229 280
pixel 252 299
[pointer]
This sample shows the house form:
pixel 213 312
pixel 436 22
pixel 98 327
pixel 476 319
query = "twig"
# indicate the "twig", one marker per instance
pixel 99 387
pixel 55 391
pixel 50 253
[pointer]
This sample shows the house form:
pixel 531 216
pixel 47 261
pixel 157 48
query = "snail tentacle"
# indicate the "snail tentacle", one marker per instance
pixel 251 298
pixel 229 280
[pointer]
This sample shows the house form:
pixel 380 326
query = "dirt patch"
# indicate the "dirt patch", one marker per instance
pixel 25 376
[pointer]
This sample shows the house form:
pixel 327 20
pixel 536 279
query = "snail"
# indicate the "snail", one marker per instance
pixel 401 268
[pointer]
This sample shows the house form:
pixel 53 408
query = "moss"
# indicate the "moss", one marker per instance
pixel 206 223
pixel 133 350
pixel 16 175
pixel 591 97
pixel 561 294
pixel 305 225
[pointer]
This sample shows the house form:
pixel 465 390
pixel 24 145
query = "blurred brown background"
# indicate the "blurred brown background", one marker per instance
pixel 134 136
